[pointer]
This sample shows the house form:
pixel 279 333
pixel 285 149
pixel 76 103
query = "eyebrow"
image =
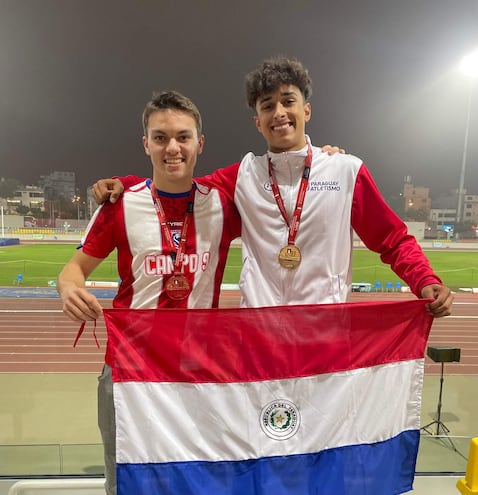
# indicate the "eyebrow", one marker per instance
pixel 288 93
pixel 285 93
pixel 179 133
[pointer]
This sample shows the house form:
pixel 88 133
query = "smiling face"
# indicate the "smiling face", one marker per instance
pixel 173 144
pixel 281 117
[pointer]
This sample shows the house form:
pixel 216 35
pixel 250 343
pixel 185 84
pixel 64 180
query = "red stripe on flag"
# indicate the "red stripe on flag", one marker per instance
pixel 252 344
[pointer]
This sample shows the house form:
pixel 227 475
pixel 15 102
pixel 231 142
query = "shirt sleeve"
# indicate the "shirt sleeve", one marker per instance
pixel 383 232
pixel 101 236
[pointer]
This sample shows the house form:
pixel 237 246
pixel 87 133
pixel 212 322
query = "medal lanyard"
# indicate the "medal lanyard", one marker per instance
pixel 294 224
pixel 176 254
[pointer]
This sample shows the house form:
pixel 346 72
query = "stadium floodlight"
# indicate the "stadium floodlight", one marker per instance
pixel 469 64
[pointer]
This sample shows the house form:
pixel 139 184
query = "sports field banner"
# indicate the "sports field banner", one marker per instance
pixel 292 400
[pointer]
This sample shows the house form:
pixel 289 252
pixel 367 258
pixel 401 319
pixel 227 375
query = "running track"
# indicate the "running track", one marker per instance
pixel 35 336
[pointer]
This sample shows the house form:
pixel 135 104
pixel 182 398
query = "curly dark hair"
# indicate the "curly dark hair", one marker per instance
pixel 274 72
pixel 171 100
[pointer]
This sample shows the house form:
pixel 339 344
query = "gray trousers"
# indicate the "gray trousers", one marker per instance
pixel 107 426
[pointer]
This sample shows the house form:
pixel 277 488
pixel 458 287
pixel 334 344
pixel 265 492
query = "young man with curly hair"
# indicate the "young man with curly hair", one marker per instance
pixel 299 206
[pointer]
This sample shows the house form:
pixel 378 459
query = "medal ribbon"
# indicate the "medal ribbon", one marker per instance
pixel 294 224
pixel 80 333
pixel 176 254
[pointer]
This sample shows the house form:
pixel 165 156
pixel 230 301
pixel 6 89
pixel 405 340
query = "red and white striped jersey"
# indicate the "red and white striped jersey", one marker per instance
pixel 132 227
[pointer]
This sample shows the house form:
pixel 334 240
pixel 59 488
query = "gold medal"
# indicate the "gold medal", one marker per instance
pixel 290 257
pixel 177 287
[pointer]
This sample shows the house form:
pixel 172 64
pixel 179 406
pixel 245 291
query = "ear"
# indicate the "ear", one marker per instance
pixel 201 144
pixel 257 122
pixel 307 112
pixel 145 146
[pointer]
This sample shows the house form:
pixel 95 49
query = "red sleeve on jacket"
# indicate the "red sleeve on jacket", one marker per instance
pixel 129 180
pixel 223 179
pixel 384 232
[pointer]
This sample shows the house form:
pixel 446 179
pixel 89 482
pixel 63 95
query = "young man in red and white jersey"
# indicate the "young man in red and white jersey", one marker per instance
pixel 155 233
pixel 172 236
pixel 299 206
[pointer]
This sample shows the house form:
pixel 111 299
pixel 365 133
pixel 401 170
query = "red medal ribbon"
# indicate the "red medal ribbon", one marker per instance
pixel 176 254
pixel 294 224
pixel 80 333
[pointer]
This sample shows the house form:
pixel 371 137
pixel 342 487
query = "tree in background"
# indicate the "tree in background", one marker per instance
pixel 416 215
pixel 8 187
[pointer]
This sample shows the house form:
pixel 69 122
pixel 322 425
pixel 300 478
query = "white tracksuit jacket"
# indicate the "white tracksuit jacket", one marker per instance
pixel 341 196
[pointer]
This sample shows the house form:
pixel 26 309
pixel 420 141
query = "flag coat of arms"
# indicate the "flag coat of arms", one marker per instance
pixel 293 400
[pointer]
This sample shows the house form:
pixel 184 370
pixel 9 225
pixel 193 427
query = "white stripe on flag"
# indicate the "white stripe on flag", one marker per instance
pixel 164 422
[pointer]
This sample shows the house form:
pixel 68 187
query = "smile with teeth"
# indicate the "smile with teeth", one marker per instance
pixel 173 161
pixel 281 126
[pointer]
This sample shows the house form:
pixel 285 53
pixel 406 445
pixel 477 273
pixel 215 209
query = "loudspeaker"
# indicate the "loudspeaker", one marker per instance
pixel 443 354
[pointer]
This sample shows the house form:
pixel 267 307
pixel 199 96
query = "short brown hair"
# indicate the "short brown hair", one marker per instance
pixel 171 100
pixel 274 72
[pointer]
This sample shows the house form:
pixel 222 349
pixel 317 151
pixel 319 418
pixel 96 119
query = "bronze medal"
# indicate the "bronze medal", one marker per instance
pixel 290 257
pixel 177 287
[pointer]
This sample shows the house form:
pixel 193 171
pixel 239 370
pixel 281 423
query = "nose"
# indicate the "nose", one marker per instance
pixel 172 147
pixel 279 110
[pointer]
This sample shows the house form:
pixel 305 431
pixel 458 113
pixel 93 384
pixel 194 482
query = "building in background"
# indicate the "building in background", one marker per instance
pixel 440 217
pixel 59 185
pixel 470 208
pixel 31 197
pixel 416 197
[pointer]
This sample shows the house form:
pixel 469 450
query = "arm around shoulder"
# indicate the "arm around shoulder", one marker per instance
pixel 223 179
pixel 111 189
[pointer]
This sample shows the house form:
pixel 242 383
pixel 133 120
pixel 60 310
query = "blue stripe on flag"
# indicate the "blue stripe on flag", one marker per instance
pixel 385 468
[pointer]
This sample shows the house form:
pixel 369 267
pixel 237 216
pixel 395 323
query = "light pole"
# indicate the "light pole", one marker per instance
pixel 469 66
pixel 76 199
pixel 3 225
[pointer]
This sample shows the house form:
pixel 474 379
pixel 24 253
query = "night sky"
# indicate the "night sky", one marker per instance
pixel 75 76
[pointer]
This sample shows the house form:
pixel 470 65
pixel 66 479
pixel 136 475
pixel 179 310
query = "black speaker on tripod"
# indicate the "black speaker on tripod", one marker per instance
pixel 441 355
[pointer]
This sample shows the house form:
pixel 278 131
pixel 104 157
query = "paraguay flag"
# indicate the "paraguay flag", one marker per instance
pixel 293 400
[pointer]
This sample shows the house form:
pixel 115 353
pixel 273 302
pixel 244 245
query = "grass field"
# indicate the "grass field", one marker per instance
pixel 41 263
